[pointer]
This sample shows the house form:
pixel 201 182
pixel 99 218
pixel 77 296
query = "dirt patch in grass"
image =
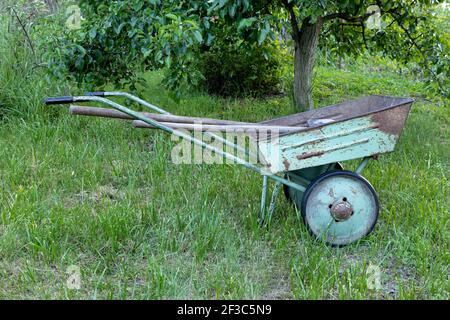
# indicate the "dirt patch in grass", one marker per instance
pixel 392 274
pixel 102 193
pixel 279 289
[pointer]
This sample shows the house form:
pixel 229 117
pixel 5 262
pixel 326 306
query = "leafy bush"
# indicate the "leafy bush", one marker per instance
pixel 230 67
pixel 118 41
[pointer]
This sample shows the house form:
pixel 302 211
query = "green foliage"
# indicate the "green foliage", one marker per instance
pixel 233 67
pixel 120 39
pixel 412 32
pixel 416 36
pixel 22 73
pixel 121 211
pixel 105 197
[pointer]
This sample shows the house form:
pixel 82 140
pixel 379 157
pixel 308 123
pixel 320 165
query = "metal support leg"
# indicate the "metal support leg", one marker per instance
pixel 276 190
pixel 262 212
pixel 266 215
pixel 362 165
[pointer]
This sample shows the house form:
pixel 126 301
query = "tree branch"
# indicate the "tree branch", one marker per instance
pixel 348 17
pixel 294 23
pixel 27 37
pixel 363 33
pixel 397 17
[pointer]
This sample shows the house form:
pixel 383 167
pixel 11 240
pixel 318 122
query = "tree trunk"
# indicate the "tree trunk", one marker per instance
pixel 305 53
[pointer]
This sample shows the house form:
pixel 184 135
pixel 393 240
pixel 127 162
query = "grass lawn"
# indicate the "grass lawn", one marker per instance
pixel 106 198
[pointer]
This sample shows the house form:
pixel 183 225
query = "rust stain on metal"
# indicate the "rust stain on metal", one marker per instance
pixel 314 143
pixel 341 211
pixel 331 193
pixel 286 164
pixel 308 155
pixel 391 121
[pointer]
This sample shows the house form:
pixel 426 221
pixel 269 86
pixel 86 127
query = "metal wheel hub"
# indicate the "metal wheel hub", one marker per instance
pixel 341 210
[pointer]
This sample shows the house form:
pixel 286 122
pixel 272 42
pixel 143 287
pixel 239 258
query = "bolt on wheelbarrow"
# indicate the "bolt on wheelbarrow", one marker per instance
pixel 302 152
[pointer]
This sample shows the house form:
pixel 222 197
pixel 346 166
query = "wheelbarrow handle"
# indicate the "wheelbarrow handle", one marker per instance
pixel 58 100
pixel 64 100
pixel 95 94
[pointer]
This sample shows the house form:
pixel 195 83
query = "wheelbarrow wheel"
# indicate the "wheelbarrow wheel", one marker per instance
pixel 340 207
pixel 296 196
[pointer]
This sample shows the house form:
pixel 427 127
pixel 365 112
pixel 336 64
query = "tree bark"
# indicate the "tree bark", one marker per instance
pixel 305 53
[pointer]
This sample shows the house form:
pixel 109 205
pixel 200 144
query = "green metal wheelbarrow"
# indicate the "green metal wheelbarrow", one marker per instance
pixel 302 152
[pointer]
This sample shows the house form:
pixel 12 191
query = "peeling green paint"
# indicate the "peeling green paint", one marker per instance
pixel 340 141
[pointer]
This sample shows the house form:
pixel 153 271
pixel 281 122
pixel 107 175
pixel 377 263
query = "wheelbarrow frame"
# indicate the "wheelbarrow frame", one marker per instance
pixel 280 178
